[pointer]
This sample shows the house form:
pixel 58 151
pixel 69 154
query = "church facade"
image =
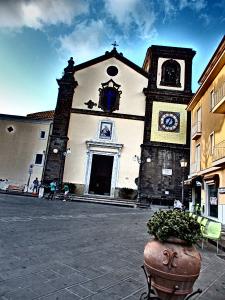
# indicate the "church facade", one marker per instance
pixel 117 125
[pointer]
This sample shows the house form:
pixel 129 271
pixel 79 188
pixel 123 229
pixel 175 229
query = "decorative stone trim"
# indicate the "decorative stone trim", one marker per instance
pixel 105 114
pixel 104 144
pixel 103 148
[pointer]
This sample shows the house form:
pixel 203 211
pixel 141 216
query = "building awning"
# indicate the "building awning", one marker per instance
pixel 212 179
pixel 188 181
pixel 193 181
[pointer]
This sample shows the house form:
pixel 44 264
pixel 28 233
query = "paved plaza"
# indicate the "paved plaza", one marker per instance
pixel 54 250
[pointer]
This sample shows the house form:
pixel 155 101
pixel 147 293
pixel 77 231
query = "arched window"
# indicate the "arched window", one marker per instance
pixel 170 73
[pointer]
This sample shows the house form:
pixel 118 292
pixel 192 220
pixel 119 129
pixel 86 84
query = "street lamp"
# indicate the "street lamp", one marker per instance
pixel 183 164
pixel 62 161
pixel 30 171
pixel 137 158
pixel 56 150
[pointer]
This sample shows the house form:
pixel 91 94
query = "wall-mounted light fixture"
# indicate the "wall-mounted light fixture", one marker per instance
pixel 62 156
pixel 65 153
pixel 141 161
pixel 183 164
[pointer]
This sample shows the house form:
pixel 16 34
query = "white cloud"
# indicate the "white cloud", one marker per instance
pixel 193 4
pixel 38 13
pixel 121 10
pixel 133 15
pixel 85 42
pixel 169 9
pixel 122 21
pixel 205 18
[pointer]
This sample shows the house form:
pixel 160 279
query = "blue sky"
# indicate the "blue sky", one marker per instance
pixel 37 37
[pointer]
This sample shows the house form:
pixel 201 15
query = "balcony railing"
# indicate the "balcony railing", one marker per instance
pixel 218 103
pixel 219 152
pixel 196 130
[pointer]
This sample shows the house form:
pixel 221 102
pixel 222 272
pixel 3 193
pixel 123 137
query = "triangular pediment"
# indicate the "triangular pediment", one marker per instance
pixel 109 55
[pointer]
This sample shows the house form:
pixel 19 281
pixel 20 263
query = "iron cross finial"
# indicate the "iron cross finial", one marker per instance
pixel 115 45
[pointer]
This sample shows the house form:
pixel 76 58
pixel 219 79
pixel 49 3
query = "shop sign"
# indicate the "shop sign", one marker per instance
pixel 167 172
pixel 213 200
pixel 221 190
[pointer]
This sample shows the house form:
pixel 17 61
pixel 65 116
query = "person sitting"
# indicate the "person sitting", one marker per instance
pixel 177 205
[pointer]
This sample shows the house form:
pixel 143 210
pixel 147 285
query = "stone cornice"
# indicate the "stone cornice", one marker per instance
pixel 108 115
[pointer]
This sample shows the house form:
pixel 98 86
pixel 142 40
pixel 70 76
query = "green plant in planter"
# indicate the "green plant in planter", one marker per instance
pixel 174 223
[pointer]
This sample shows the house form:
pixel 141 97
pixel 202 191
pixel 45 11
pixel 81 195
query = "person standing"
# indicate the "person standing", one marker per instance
pixel 35 185
pixel 52 190
pixel 41 191
pixel 66 191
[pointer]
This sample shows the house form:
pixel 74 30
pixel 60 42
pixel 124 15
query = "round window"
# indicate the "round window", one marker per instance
pixel 112 71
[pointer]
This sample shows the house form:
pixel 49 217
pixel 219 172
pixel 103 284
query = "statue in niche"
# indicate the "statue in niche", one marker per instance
pixel 171 73
pixel 109 96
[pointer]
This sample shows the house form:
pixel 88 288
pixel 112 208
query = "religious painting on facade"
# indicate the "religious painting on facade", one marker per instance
pixel 105 130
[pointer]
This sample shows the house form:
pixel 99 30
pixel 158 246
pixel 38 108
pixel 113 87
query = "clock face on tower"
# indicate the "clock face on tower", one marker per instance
pixel 169 121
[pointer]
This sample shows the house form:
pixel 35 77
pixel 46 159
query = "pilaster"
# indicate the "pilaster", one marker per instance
pixel 54 165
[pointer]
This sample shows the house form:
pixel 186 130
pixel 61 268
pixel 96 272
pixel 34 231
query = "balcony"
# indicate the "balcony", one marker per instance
pixel 196 130
pixel 218 157
pixel 218 103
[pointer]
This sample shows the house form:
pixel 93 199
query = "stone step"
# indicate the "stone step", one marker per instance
pixel 102 200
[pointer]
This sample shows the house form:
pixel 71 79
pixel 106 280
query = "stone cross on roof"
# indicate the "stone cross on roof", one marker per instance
pixel 115 45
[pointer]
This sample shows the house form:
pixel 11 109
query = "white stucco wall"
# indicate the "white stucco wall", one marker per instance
pixel 19 148
pixel 82 128
pixel 89 80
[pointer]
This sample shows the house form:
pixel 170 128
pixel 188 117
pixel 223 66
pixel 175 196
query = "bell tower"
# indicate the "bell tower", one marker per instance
pixel 167 123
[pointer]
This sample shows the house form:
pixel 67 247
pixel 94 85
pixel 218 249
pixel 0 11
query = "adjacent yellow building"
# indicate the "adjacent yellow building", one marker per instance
pixel 207 156
pixel 23 144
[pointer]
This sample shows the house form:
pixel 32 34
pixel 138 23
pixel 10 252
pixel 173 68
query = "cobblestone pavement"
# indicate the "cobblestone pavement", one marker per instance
pixel 72 250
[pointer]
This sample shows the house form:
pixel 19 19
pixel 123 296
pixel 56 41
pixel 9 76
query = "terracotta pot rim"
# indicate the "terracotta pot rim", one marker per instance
pixel 174 240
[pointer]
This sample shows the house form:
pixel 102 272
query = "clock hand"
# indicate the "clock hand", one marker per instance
pixel 168 121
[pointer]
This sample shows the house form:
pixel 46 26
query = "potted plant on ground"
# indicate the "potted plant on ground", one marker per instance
pixel 170 259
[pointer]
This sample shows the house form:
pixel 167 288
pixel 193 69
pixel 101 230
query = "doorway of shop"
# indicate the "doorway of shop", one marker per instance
pixel 213 200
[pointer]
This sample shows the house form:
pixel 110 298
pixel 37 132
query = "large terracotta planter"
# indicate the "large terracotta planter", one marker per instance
pixel 173 267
